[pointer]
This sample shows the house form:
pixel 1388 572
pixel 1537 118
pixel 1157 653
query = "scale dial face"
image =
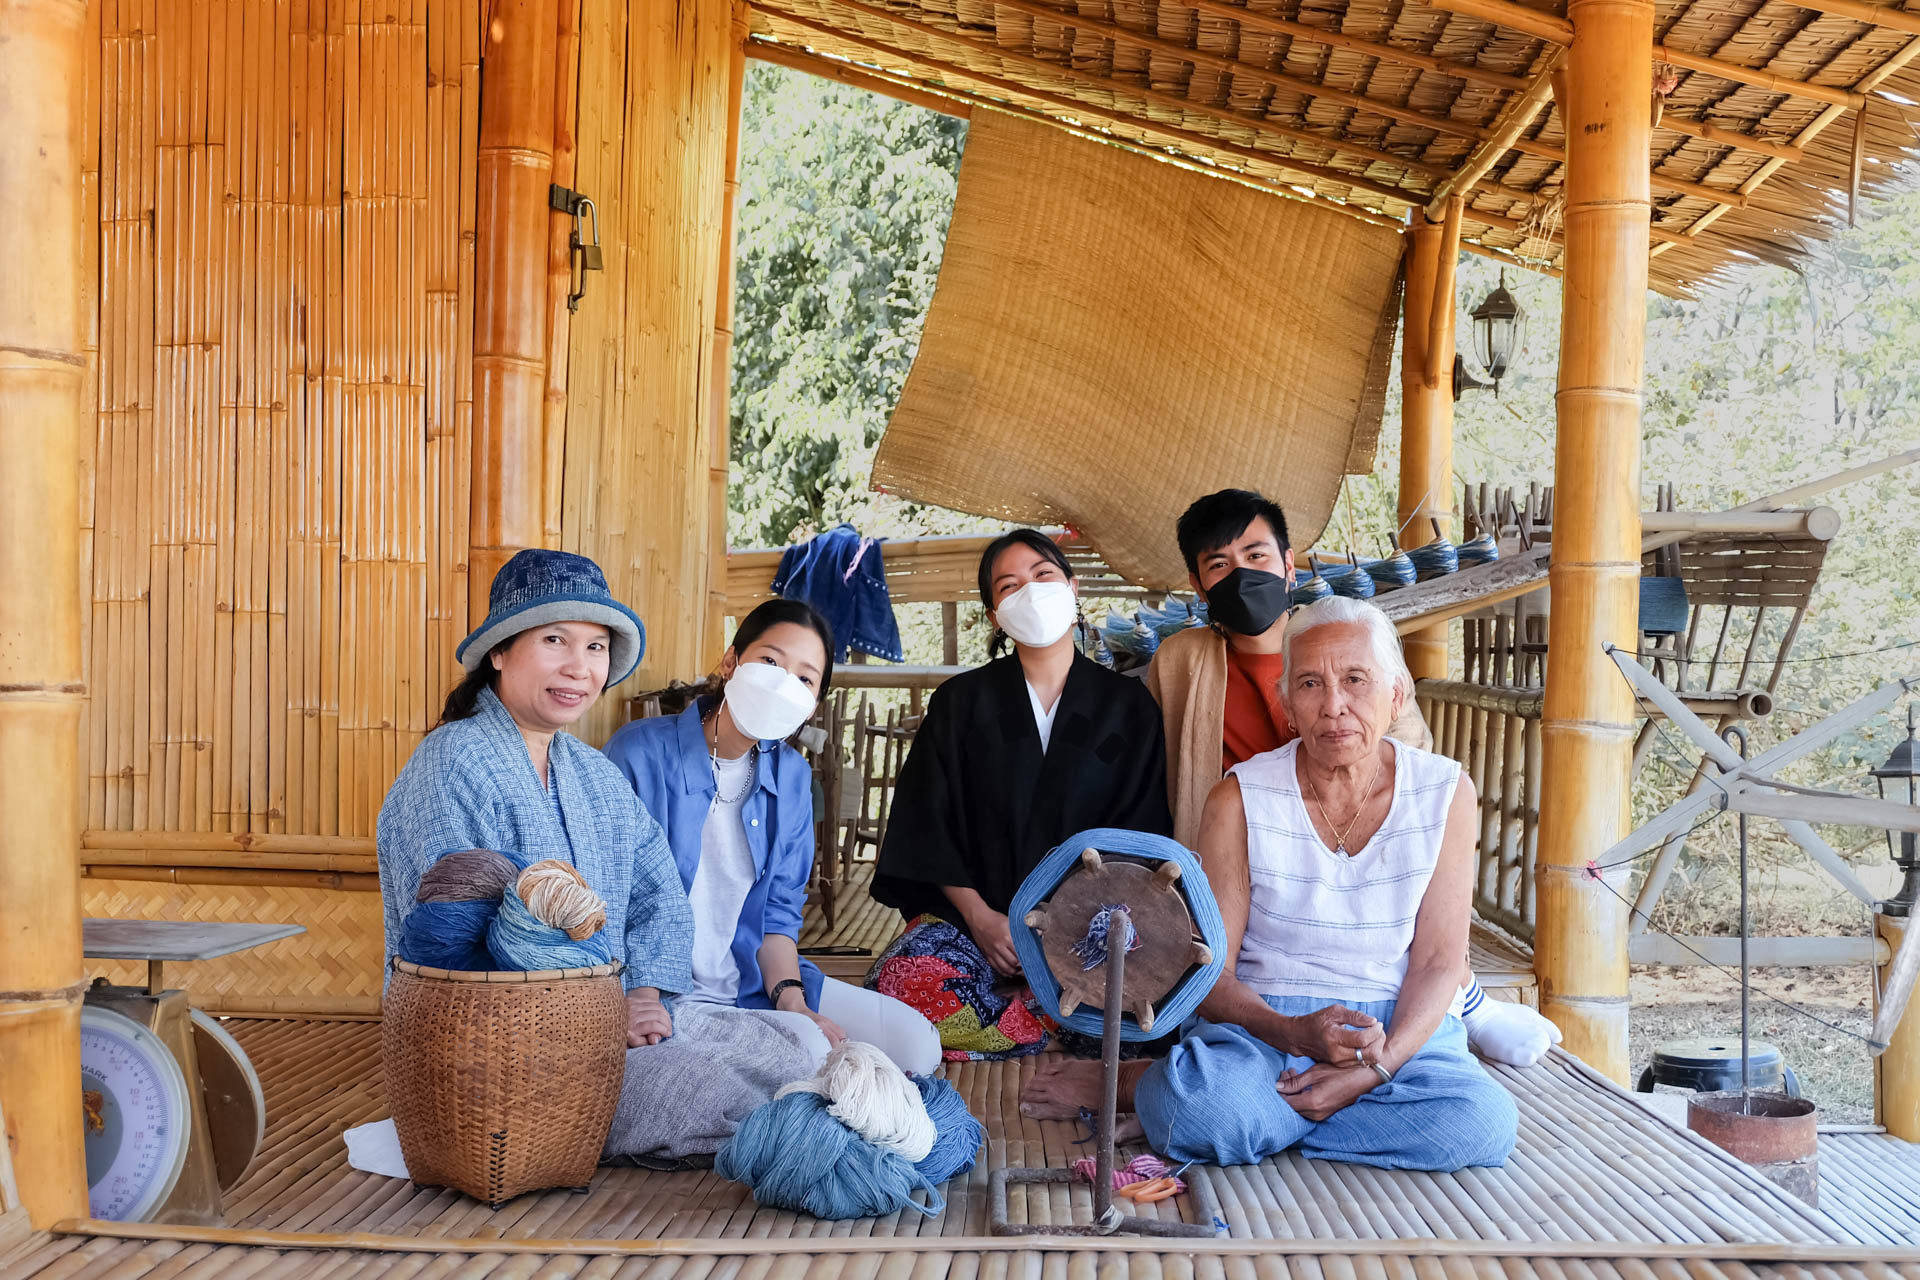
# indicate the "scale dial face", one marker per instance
pixel 134 1097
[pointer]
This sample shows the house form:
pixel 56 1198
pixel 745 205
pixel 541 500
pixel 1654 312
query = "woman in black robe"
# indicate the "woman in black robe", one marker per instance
pixel 1010 759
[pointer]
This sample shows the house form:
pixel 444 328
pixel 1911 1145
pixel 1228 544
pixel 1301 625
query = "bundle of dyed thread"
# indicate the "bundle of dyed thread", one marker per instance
pixel 550 919
pixel 1142 1168
pixel 855 1141
pixel 458 898
pixel 478 910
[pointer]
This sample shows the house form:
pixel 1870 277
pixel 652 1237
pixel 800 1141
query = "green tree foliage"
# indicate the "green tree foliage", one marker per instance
pixel 845 199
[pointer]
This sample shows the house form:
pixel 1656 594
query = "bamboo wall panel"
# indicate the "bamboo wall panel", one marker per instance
pixel 651 152
pixel 279 504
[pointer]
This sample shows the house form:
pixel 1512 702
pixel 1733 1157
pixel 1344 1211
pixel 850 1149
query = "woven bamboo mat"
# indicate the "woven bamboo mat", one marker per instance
pixel 1870 1186
pixel 1591 1166
pixel 1598 1190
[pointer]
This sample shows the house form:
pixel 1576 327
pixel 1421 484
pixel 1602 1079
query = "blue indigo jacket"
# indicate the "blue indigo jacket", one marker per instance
pixel 666 760
pixel 471 785
pixel 846 581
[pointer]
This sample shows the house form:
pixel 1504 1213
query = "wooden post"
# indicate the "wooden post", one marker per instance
pixel 513 168
pixel 43 87
pixel 566 99
pixel 1426 413
pixel 721 372
pixel 1580 943
pixel 1896 1072
pixel 655 86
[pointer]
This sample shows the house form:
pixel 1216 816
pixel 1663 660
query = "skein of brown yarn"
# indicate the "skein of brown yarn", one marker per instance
pixel 467 876
pixel 558 896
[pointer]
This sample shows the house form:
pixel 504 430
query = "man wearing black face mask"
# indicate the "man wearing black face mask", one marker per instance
pixel 1219 686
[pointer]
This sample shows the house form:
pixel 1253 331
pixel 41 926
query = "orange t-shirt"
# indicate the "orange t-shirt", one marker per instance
pixel 1255 720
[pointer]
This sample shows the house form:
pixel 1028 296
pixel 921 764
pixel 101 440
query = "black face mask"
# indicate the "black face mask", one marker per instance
pixel 1248 602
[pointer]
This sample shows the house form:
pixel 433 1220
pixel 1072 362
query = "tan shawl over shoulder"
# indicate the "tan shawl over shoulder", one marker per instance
pixel 1188 678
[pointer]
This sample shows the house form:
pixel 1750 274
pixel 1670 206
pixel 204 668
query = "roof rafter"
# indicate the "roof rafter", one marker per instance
pixel 1557 30
pixel 1182 137
pixel 953 101
pixel 1102 84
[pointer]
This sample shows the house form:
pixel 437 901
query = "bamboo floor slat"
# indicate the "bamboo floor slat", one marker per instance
pixel 863 923
pixel 1591 1167
pixel 1870 1186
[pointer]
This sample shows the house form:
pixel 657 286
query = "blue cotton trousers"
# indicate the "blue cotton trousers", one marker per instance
pixel 1214 1100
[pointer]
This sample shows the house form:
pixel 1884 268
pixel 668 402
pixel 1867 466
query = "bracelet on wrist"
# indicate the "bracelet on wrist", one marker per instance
pixel 1386 1076
pixel 780 988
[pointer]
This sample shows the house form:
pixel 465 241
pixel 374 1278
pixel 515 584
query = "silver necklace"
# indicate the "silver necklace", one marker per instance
pixel 713 757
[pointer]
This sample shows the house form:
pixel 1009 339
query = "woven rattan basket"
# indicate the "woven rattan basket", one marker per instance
pixel 503 1083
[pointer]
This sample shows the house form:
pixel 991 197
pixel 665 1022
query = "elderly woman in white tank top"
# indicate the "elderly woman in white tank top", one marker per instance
pixel 1343 863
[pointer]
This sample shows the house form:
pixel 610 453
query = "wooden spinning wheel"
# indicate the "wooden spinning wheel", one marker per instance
pixel 1164 947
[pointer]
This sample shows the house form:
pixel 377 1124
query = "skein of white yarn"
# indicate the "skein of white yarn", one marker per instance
pixel 558 895
pixel 872 1097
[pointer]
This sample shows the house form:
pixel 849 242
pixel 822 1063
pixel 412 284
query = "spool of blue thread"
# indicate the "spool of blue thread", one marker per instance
pixel 1310 590
pixel 957 1134
pixel 1435 560
pixel 1348 580
pixel 1392 573
pixel 1480 550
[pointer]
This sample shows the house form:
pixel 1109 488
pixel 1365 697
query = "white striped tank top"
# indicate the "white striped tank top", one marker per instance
pixel 1328 924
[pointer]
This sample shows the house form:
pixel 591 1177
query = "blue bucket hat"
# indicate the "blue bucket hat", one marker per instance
pixel 537 587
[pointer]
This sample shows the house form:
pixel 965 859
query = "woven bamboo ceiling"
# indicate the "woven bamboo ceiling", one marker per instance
pixel 1382 105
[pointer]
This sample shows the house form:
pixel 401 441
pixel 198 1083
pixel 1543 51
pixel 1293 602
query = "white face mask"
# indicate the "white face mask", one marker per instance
pixel 1038 614
pixel 767 702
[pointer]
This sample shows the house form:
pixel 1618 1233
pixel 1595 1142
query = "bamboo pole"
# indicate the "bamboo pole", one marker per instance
pixel 719 407
pixel 514 166
pixel 43 84
pixel 1896 1070
pixel 560 270
pixel 1580 943
pixel 1426 409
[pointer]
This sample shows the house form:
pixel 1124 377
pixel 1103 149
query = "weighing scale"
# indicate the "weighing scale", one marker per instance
pixel 173 1110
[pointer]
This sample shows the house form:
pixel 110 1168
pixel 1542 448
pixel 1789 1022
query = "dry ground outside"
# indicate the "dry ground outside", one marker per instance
pixel 1835 1070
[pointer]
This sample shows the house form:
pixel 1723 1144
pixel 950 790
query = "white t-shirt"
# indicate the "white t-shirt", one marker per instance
pixel 1042 716
pixel 720 886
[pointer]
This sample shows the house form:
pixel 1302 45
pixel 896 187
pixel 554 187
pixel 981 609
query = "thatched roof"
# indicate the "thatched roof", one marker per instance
pixel 1376 104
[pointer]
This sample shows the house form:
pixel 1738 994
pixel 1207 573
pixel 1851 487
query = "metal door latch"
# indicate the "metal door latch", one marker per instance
pixel 583 243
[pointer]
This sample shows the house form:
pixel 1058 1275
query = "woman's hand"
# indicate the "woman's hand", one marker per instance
pixel 1333 1035
pixel 648 1021
pixel 793 1001
pixel 994 935
pixel 1323 1089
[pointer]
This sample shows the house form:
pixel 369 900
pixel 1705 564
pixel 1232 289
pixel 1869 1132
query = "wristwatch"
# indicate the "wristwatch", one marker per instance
pixel 773 996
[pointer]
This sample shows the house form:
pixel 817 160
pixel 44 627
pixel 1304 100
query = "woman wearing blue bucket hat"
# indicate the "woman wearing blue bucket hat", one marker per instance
pixel 501 772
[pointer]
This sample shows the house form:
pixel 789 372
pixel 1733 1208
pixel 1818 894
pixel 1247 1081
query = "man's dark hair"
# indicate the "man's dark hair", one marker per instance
pixel 1219 518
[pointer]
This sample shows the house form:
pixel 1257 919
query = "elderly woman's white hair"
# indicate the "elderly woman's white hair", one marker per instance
pixel 1381 636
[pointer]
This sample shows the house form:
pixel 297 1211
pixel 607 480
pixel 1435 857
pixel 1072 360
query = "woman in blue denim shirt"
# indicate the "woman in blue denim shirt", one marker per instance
pixel 736 800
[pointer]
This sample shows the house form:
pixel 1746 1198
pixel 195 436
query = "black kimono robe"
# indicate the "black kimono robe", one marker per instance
pixel 978 805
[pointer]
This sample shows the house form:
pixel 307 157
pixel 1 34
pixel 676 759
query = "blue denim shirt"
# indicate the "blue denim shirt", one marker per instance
pixel 666 760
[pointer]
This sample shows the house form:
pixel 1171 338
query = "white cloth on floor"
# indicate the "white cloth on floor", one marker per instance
pixel 375 1148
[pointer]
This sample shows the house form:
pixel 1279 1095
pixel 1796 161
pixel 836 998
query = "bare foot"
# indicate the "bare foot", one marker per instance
pixel 1060 1089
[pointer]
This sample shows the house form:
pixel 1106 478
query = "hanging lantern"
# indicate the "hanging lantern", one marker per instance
pixel 1499 323
pixel 1903 763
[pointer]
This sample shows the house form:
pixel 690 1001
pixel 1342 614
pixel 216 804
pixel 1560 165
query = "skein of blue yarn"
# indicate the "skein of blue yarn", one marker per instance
pixel 957 1134
pixel 1039 885
pixel 794 1155
pixel 519 940
pixel 449 935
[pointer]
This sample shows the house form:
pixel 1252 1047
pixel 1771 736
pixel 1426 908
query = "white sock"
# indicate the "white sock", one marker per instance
pixel 1506 1030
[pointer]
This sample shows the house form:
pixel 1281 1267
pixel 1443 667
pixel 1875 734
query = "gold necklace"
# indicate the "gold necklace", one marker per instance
pixel 1366 795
